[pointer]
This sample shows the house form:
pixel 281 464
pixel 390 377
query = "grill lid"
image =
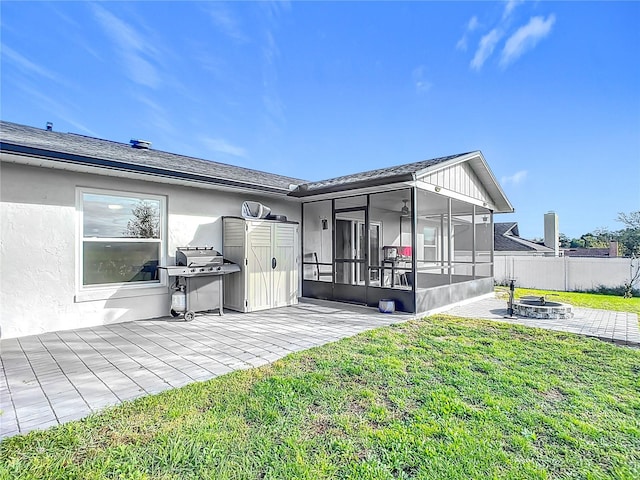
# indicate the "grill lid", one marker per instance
pixel 198 256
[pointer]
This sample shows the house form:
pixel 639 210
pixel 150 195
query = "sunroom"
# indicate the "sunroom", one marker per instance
pixel 419 234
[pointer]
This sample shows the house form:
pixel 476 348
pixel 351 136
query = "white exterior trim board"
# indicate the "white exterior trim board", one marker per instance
pixel 422 185
pixel 120 290
pixel 36 161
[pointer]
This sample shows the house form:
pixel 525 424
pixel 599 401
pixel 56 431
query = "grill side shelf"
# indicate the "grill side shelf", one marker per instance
pixel 180 271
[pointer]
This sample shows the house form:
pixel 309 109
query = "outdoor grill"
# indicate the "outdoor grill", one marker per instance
pixel 198 282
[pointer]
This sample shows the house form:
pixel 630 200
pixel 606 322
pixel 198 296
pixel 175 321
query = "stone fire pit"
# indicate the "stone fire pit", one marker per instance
pixel 540 307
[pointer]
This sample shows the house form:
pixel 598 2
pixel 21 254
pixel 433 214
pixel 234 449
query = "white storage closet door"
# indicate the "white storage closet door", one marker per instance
pixel 234 250
pixel 285 275
pixel 259 271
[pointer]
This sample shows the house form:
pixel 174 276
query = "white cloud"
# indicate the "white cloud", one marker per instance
pixel 509 7
pixel 514 179
pixel 158 115
pixel 420 82
pixel 273 10
pixel 135 50
pixel 472 25
pixel 27 65
pixel 485 48
pixel 226 22
pixel 274 107
pixel 62 110
pixel 526 37
pixel 222 146
pixel 270 49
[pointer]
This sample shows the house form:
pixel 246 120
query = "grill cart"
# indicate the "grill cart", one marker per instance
pixel 197 281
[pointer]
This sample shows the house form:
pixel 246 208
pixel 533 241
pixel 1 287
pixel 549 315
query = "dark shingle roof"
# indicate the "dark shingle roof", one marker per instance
pixel 79 149
pixel 73 151
pixel 587 252
pixel 506 239
pixel 504 228
pixel 379 176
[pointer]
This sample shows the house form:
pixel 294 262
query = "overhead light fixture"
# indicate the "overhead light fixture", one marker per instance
pixel 404 211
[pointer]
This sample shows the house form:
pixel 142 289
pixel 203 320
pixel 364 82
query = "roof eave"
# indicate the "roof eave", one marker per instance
pixel 81 160
pixel 446 164
pixel 502 203
pixel 531 245
pixel 499 198
pixel 302 192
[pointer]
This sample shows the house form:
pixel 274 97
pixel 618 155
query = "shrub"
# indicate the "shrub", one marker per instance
pixel 625 290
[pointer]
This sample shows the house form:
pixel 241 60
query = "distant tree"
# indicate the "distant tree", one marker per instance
pixel 631 220
pixel 603 234
pixel 145 222
pixel 629 237
pixel 565 242
pixel 576 243
pixel 633 279
pixel 628 244
pixel 594 240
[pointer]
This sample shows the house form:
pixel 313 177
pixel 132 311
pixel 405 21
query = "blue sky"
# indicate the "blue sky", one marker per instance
pixel 548 91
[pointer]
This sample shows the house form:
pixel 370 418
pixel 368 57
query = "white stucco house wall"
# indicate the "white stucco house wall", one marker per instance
pixel 55 185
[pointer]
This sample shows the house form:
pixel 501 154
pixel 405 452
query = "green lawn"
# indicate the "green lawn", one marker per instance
pixel 587 300
pixel 438 398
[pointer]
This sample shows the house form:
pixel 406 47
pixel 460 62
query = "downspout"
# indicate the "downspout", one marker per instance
pixel 473 242
pixel 414 242
pixel 493 247
pixel 441 244
pixel 301 254
pixel 333 249
pixel 367 250
pixel 450 237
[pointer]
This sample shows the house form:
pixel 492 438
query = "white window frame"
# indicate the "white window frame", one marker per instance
pixel 124 289
pixel 431 247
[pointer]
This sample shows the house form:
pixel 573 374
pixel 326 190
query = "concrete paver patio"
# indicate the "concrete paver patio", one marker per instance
pixel 56 377
pixel 617 327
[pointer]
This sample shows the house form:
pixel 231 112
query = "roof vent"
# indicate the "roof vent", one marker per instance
pixel 49 126
pixel 140 144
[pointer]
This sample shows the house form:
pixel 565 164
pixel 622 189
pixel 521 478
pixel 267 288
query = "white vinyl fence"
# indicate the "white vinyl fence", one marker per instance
pixel 563 273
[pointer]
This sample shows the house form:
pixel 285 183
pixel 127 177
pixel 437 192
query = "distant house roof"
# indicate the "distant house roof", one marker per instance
pixel 506 238
pixel 80 150
pixel 587 252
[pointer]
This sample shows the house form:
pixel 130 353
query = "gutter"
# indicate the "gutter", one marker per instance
pixel 74 159
pixel 302 191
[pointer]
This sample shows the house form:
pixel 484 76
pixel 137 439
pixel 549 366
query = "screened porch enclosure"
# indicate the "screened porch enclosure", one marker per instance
pixel 417 247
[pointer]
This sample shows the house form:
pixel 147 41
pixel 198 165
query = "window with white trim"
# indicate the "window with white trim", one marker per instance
pixel 122 236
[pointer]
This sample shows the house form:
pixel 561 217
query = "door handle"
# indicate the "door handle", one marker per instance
pixel 273 263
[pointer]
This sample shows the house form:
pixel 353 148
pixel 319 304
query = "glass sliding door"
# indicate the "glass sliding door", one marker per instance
pixel 350 247
pixel 350 254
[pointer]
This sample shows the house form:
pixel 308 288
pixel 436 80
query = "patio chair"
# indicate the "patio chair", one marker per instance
pixel 320 274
